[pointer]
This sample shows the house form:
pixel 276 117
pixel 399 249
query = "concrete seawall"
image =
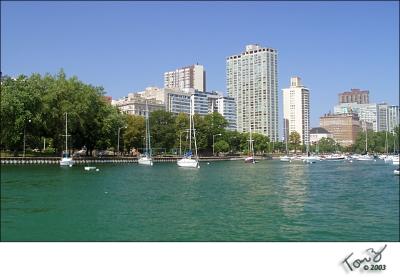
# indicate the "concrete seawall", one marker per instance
pixel 81 160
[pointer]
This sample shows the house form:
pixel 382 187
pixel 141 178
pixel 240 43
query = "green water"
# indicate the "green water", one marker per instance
pixel 222 201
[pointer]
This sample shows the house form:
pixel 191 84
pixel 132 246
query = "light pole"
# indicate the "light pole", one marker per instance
pixel 29 121
pixel 213 141
pixel 118 138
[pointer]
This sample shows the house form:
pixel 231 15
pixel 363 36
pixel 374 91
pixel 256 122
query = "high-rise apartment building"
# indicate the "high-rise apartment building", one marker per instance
pixel 296 110
pixel 227 108
pixel 354 96
pixel 187 77
pixel 393 117
pixel 252 81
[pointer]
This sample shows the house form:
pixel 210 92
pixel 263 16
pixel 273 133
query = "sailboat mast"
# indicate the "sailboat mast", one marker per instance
pixel 148 129
pixel 66 132
pixel 190 127
pixel 366 139
pixel 386 143
pixel 286 139
pixel 195 143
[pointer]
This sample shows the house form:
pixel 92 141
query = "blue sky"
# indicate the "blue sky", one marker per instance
pixel 126 46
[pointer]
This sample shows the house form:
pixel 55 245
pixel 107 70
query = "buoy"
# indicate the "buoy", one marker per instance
pixel 208 163
pixel 97 169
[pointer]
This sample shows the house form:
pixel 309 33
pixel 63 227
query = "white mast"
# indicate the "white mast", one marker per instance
pixel 66 133
pixel 190 126
pixel 148 129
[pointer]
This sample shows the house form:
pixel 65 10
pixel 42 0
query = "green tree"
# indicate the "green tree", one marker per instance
pixel 261 143
pixel 134 133
pixel 221 146
pixel 163 130
pixel 294 140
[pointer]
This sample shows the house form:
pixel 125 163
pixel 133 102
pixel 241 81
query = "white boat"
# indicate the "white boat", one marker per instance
pixel 365 157
pixel 395 160
pixel 250 159
pixel 147 159
pixel 310 159
pixel 188 160
pixel 66 159
pixel 87 168
pixel 396 171
pixel 296 159
pixel 388 159
pixel 285 159
pixel 335 157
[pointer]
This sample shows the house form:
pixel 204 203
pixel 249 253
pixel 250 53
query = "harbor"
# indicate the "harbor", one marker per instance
pixel 221 201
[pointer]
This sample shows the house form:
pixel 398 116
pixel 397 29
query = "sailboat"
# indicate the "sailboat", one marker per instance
pixel 188 160
pixel 250 158
pixel 147 159
pixel 309 158
pixel 286 158
pixel 66 160
pixel 365 157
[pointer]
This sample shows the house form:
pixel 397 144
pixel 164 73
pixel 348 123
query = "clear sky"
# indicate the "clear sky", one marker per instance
pixel 127 46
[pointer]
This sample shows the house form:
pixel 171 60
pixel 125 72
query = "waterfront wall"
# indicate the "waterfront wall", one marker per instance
pixel 90 160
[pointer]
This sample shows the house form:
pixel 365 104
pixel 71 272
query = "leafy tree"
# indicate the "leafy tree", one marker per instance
pixel 221 146
pixel 233 138
pixel 294 140
pixel 163 130
pixel 135 132
pixel 261 143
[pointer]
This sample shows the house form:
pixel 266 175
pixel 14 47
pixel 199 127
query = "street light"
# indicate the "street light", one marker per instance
pixel 29 121
pixel 180 141
pixel 118 137
pixel 213 141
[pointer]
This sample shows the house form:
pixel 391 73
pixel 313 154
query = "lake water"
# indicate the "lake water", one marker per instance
pixel 221 201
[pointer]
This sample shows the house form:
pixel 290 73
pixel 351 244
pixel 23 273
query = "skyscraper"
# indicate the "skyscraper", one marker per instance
pixel 252 81
pixel 187 77
pixel 296 110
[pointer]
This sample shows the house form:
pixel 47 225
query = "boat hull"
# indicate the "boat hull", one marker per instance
pixel 67 162
pixel 285 159
pixel 190 163
pixel 250 160
pixel 145 161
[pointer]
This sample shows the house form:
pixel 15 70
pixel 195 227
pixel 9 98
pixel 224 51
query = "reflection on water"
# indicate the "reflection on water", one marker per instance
pixel 294 190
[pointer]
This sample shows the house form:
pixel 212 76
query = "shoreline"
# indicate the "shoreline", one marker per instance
pixel 80 160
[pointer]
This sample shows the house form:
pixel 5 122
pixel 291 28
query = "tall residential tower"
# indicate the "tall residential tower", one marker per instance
pixel 296 110
pixel 187 77
pixel 252 81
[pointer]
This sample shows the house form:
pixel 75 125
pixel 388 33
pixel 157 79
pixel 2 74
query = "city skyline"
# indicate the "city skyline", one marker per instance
pixel 354 45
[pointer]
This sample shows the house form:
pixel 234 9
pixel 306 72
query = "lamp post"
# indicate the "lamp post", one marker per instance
pixel 118 138
pixel 213 141
pixel 29 121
